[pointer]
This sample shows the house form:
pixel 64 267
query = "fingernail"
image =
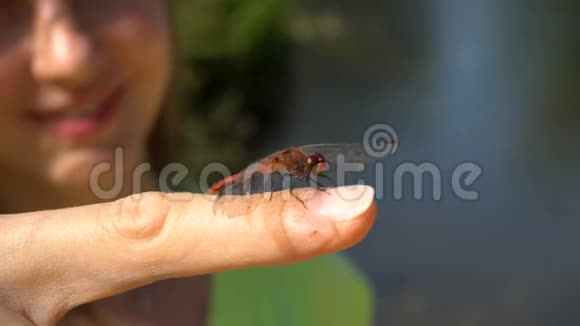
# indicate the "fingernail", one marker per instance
pixel 342 203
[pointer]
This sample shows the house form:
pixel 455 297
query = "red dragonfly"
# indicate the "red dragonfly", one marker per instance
pixel 306 163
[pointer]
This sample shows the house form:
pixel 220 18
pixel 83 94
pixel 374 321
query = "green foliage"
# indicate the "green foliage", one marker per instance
pixel 234 28
pixel 232 59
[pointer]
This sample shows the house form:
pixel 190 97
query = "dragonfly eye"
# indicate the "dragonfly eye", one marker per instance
pixel 319 158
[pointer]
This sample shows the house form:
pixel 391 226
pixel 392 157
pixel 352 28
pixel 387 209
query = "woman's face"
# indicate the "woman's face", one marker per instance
pixel 79 78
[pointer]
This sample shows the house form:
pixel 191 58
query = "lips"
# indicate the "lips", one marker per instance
pixel 81 120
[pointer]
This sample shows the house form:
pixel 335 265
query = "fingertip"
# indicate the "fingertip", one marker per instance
pixel 342 203
pixel 253 231
pixel 330 220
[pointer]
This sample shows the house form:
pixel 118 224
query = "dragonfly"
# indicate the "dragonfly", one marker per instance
pixel 308 163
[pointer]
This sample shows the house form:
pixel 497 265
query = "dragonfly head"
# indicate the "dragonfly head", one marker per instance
pixel 316 163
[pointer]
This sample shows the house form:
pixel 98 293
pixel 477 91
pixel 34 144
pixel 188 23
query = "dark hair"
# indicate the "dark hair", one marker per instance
pixel 166 140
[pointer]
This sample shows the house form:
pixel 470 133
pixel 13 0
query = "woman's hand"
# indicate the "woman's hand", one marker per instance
pixel 54 261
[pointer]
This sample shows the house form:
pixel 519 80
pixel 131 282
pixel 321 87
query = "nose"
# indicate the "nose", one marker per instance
pixel 61 53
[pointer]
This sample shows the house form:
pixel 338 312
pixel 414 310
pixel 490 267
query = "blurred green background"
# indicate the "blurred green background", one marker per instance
pixel 485 81
pixel 235 58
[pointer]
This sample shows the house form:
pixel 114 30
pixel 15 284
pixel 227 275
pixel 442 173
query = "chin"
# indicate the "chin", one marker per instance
pixel 95 169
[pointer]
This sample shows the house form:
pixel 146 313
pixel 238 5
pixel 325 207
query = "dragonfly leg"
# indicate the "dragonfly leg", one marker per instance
pixel 300 200
pixel 329 179
pixel 320 187
pixel 215 203
pixel 268 188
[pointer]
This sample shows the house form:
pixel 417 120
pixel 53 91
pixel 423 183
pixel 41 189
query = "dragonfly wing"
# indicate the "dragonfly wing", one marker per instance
pixel 352 152
pixel 257 177
pixel 340 158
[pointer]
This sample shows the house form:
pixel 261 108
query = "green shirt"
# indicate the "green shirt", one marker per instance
pixel 324 291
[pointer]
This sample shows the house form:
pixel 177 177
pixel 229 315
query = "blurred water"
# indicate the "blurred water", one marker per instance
pixel 476 91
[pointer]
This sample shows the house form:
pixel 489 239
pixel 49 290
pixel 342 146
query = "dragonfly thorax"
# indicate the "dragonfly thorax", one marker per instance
pixel 316 163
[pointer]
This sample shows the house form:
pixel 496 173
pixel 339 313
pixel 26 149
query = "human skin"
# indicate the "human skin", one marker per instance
pixel 71 257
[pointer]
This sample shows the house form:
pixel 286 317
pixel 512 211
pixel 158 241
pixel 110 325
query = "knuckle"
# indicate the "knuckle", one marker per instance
pixel 140 218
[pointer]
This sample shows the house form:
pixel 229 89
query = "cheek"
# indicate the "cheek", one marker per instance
pixel 18 140
pixel 140 35
pixel 140 40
